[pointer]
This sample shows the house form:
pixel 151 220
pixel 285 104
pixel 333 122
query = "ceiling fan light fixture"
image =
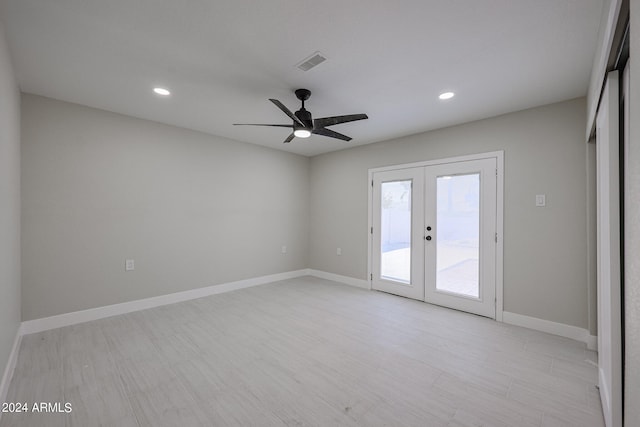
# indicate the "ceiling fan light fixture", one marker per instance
pixel 446 95
pixel 302 133
pixel 161 91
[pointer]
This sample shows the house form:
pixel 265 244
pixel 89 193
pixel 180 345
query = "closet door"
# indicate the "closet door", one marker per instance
pixel 608 253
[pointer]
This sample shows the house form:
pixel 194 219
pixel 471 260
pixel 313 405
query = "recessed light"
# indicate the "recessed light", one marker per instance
pixel 161 91
pixel 302 133
pixel 446 95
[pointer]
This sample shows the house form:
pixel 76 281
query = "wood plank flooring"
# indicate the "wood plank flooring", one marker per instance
pixel 304 352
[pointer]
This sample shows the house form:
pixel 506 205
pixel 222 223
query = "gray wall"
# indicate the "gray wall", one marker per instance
pixel 193 210
pixel 632 235
pixel 9 205
pixel 545 258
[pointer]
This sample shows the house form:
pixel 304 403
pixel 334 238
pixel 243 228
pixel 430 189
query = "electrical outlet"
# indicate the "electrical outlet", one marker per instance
pixel 541 200
pixel 284 249
pixel 129 265
pixel 339 251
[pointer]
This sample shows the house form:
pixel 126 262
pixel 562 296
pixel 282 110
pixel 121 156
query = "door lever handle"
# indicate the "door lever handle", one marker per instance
pixel 428 238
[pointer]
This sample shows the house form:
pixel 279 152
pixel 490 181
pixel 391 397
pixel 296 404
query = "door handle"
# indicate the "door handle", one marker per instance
pixel 428 238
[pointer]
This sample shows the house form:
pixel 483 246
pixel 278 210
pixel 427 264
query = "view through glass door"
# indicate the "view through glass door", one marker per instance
pixel 434 234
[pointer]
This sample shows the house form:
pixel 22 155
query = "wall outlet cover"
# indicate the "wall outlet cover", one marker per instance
pixel 129 265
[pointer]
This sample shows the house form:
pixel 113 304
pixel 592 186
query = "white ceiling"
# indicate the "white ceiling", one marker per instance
pixel 223 59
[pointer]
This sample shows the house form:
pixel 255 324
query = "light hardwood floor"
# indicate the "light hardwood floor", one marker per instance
pixel 304 352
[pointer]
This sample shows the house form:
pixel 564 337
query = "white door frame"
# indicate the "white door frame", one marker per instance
pixel 499 156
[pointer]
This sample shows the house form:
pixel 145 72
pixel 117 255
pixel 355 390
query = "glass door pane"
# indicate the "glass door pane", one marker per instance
pixel 395 231
pixel 458 234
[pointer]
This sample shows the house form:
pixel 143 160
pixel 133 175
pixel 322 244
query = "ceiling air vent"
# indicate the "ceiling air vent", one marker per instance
pixel 310 62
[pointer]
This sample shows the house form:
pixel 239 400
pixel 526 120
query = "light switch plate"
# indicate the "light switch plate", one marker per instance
pixel 339 251
pixel 129 265
pixel 541 200
pixel 284 250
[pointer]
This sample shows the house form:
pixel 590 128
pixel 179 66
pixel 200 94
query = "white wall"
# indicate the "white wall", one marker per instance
pixel 545 257
pixel 193 210
pixel 9 205
pixel 632 234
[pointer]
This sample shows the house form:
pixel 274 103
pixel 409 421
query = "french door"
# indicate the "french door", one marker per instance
pixel 434 234
pixel 398 198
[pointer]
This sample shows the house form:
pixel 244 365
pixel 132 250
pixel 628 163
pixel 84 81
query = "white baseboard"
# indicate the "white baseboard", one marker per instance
pixel 8 370
pixel 351 281
pixel 66 319
pixel 560 329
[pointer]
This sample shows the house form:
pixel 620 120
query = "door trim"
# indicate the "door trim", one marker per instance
pixel 499 156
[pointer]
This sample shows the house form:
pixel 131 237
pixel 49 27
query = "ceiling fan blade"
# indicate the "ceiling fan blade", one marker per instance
pixel 285 110
pixel 289 138
pixel 336 120
pixel 259 124
pixel 331 134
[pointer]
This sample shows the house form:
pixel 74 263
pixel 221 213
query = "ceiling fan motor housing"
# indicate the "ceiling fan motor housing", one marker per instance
pixel 305 117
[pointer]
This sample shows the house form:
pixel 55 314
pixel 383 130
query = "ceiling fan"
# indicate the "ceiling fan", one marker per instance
pixel 304 125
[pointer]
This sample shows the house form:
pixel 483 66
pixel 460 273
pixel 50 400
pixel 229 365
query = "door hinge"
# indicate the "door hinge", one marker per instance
pixel 496 237
pixel 371 276
pixel 371 183
pixel 496 172
pixel 371 230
